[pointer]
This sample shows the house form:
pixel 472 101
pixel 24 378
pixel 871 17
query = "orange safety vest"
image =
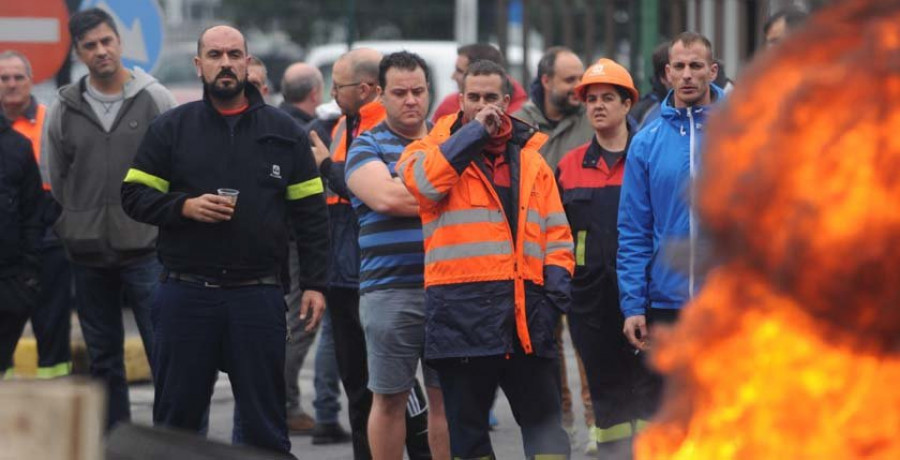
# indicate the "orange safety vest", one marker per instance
pixel 32 129
pixel 370 115
pixel 466 232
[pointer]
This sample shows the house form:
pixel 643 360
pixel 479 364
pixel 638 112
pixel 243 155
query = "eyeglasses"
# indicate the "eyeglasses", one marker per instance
pixel 335 87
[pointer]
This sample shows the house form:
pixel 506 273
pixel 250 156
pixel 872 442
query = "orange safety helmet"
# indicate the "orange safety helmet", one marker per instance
pixel 607 71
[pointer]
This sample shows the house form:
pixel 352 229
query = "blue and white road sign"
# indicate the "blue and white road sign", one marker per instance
pixel 141 28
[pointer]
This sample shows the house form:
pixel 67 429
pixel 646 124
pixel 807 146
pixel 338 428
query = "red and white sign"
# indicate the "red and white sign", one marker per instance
pixel 39 29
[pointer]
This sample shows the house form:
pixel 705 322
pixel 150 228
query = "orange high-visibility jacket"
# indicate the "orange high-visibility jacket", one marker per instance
pixel 31 125
pixel 370 115
pixel 467 236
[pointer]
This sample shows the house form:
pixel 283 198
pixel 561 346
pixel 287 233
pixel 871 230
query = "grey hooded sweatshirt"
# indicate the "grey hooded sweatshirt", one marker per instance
pixel 85 165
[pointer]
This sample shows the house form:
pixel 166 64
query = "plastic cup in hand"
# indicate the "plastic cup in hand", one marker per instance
pixel 229 193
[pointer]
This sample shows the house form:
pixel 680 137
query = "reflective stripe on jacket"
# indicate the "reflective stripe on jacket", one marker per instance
pixel 467 235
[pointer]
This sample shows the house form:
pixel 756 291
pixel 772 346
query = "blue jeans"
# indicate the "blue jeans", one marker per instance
pixel 327 380
pixel 101 293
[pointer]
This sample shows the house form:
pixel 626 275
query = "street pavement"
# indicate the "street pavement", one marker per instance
pixel 506 438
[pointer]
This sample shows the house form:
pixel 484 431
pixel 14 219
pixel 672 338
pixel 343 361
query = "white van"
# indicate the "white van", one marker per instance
pixel 440 56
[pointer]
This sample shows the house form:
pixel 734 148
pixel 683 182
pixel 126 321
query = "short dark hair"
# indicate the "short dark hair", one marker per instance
pixel 403 60
pixel 689 38
pixel 660 58
pixel 547 64
pixel 481 52
pixel 83 22
pixel 482 68
pixel 624 94
pixel 792 16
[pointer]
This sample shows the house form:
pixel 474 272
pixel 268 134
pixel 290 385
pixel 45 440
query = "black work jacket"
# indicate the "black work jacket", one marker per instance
pixel 192 150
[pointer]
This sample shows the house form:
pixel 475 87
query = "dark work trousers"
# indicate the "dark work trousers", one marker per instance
pixel 531 385
pixel 100 293
pixel 620 384
pixel 52 316
pixel 11 325
pixel 350 349
pixel 199 330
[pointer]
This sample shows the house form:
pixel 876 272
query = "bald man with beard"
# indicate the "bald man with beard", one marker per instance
pixel 224 309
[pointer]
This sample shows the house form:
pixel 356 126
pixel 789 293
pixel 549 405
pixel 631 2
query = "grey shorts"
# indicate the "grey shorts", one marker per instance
pixel 394 324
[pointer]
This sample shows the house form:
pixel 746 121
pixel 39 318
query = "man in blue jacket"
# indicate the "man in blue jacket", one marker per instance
pixel 654 210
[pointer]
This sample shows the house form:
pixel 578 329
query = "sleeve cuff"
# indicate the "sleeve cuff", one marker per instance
pixel 325 167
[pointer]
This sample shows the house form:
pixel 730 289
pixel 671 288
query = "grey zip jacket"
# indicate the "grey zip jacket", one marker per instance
pixel 85 166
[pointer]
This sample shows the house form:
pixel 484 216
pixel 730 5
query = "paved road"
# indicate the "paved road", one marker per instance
pixel 506 438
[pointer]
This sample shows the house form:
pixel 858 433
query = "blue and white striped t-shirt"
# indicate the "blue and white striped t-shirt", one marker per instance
pixel 392 255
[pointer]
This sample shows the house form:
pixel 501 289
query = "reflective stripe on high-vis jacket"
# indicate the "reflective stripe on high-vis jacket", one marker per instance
pixel 463 217
pixel 140 177
pixel 304 189
pixel 614 433
pixel 467 234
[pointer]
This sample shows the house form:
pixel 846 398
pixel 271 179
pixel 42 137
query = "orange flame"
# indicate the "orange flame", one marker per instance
pixel 792 350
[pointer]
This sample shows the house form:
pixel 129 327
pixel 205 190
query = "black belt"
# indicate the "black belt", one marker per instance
pixel 268 280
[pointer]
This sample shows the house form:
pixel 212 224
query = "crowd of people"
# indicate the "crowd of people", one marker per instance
pixel 460 246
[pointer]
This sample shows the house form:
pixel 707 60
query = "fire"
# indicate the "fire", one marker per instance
pixel 792 349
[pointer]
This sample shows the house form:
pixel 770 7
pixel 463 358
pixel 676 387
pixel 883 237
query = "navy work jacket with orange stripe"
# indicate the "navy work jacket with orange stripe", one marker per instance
pixel 485 284
pixel 590 192
pixel 192 150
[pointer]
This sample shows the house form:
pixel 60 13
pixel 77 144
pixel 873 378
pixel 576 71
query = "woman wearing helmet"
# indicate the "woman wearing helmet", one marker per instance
pixel 590 177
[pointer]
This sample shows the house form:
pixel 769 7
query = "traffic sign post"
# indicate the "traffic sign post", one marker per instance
pixel 140 26
pixel 39 30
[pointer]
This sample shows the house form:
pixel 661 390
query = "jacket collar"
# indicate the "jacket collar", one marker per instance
pixel 295 112
pixel 674 114
pixel 592 154
pixel 372 111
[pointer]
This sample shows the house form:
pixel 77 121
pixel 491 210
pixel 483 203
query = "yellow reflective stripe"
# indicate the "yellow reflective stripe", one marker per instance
pixel 305 189
pixel 59 370
pixel 9 374
pixel 639 425
pixel 579 247
pixel 140 177
pixel 550 457
pixel 615 432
